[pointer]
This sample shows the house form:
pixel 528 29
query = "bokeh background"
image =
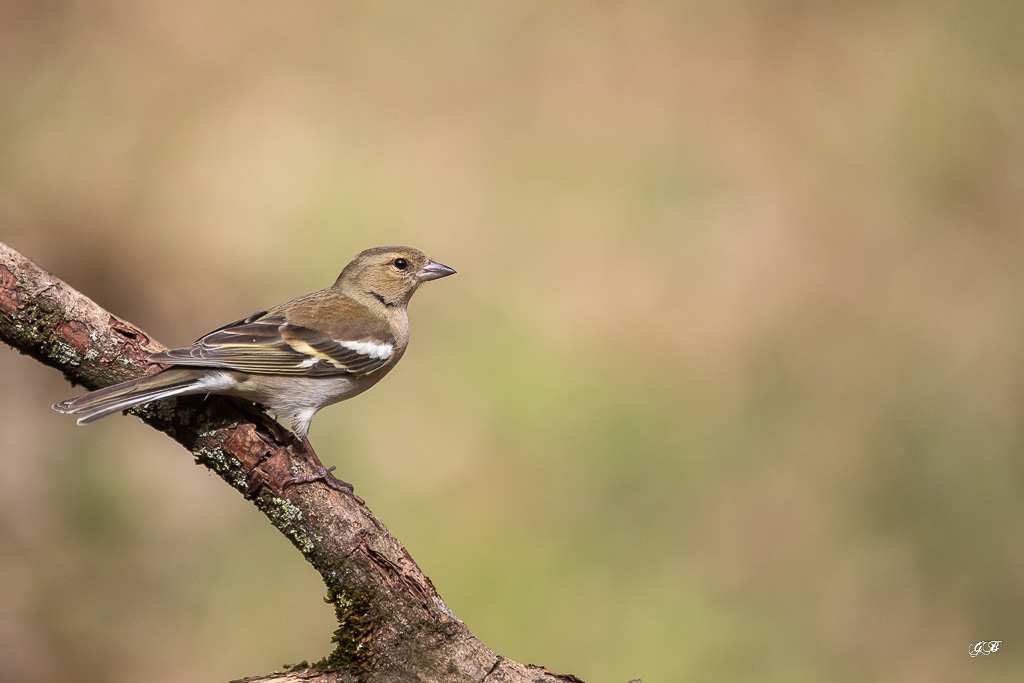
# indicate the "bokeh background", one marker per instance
pixel 729 386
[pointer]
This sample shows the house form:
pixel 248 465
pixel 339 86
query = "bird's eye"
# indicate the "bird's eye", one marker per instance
pixel 401 263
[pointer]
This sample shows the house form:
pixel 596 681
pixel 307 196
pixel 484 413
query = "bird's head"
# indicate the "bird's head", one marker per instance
pixel 389 275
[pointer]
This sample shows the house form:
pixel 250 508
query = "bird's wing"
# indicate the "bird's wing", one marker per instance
pixel 269 344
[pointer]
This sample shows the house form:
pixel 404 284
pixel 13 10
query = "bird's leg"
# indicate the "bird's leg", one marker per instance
pixel 320 473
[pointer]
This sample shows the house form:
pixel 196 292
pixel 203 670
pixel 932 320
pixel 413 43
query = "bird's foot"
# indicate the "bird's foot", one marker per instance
pixel 321 473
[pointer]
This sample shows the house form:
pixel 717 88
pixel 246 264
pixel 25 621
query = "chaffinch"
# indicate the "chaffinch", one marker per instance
pixel 294 358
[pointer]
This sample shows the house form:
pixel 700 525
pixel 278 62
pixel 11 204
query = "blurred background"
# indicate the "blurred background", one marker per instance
pixel 729 386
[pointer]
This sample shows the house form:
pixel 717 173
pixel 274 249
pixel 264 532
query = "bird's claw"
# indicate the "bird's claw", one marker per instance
pixel 323 474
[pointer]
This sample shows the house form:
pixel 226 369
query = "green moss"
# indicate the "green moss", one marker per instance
pixel 60 352
pixel 165 411
pixel 44 323
pixel 285 516
pixel 205 425
pixel 228 467
pixel 213 458
pixel 357 622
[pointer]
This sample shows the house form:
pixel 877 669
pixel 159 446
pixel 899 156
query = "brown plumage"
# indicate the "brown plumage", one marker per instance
pixel 294 358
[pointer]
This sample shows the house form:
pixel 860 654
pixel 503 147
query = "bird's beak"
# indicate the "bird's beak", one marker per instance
pixel 433 271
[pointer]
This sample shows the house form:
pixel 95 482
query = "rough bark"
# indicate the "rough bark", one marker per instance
pixel 392 624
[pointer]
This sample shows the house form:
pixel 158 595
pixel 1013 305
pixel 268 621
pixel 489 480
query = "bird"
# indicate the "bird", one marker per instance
pixel 294 358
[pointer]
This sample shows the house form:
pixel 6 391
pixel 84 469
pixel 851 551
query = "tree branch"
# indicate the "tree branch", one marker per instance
pixel 392 624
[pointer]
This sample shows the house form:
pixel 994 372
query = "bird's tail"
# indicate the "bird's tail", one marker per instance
pixel 112 399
